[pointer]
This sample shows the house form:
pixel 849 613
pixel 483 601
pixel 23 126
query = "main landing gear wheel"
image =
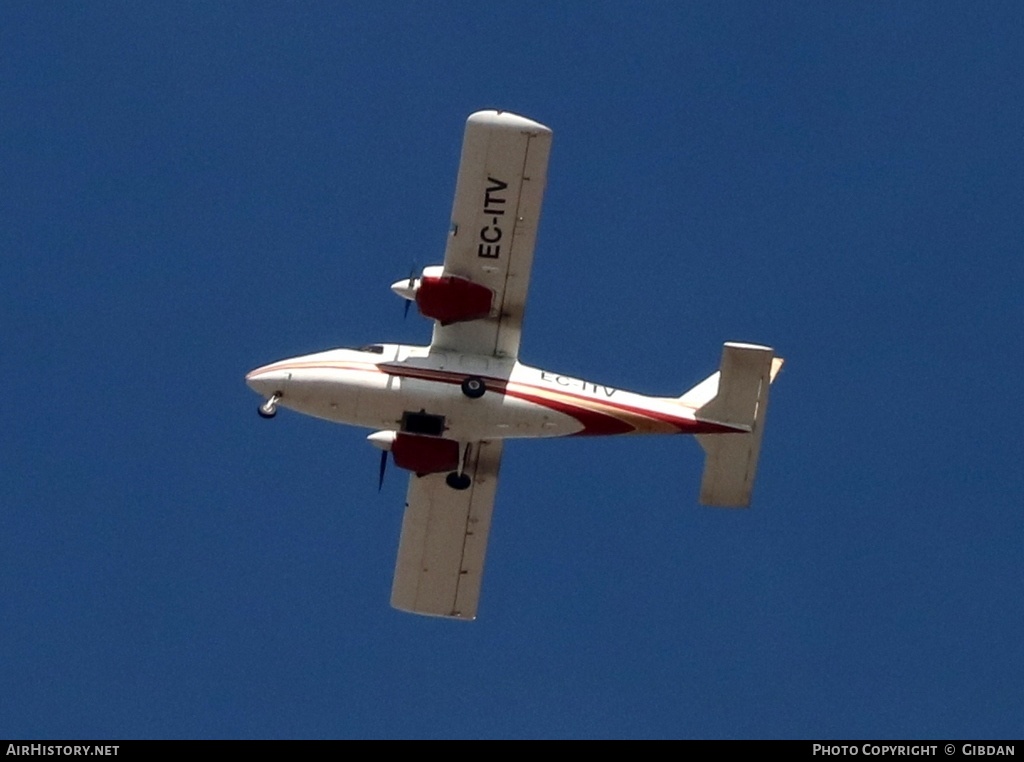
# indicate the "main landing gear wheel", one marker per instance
pixel 474 387
pixel 269 408
pixel 458 481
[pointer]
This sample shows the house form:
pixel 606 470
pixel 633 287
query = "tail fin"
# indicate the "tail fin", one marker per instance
pixel 737 396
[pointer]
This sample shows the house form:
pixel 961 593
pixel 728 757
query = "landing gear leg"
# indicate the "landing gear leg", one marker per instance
pixel 269 408
pixel 459 480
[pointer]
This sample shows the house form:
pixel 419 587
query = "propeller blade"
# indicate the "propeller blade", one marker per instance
pixel 383 468
pixel 412 283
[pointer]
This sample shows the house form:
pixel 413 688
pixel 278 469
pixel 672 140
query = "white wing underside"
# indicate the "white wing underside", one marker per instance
pixel 498 197
pixel 444 539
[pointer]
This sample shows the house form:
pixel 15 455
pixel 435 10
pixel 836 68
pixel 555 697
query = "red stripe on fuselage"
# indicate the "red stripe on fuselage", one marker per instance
pixel 595 423
pixel 589 412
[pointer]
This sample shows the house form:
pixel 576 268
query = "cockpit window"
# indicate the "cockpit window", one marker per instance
pixel 377 349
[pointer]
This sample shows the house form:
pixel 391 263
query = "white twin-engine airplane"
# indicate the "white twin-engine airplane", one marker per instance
pixel 444 411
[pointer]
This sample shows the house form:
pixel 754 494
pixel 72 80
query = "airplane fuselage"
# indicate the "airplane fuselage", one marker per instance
pixel 413 389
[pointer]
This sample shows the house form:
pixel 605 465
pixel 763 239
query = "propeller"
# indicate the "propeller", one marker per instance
pixel 383 468
pixel 412 284
pixel 383 440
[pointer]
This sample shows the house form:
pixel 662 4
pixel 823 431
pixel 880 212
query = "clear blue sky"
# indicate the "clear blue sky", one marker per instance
pixel 194 189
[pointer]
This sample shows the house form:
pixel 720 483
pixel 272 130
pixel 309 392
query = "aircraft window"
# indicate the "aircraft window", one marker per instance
pixel 377 349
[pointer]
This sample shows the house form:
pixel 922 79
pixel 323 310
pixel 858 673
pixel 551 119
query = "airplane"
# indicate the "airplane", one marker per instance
pixel 444 411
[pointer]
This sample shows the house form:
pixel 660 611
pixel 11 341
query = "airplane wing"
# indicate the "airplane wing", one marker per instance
pixel 498 197
pixel 444 539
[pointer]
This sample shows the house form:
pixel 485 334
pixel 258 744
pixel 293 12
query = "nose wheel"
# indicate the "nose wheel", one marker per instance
pixel 474 387
pixel 269 408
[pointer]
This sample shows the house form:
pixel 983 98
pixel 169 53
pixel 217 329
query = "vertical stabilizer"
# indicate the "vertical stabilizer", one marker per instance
pixel 736 396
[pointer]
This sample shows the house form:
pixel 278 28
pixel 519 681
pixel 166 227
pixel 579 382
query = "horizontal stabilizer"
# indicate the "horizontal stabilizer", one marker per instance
pixel 740 399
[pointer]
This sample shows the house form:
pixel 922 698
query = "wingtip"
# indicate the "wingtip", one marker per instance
pixel 498 118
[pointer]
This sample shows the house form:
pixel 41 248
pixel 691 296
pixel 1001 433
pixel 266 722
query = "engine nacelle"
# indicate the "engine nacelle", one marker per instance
pixel 446 298
pixel 417 453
